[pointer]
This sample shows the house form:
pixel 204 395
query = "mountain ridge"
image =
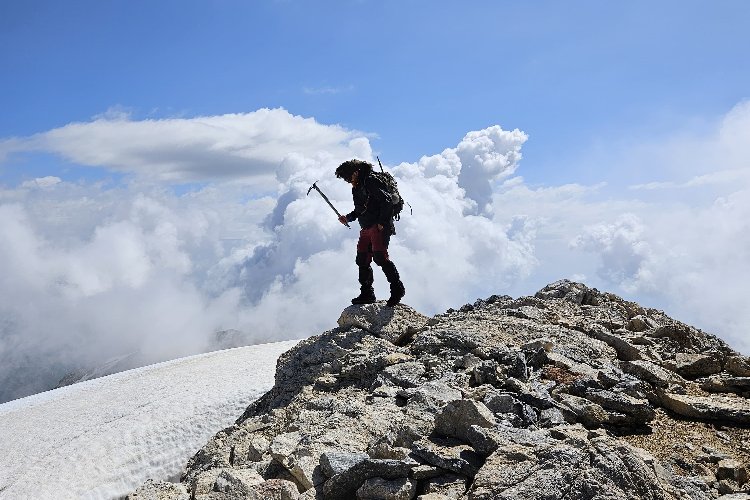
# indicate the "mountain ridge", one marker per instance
pixel 570 393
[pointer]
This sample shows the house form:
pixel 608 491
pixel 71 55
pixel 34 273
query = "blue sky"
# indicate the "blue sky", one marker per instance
pixel 154 160
pixel 419 74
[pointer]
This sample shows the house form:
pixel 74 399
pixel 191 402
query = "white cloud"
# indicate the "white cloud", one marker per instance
pixel 96 270
pixel 486 156
pixel 100 270
pixel 233 146
pixel 42 182
pixel 624 253
pixel 688 248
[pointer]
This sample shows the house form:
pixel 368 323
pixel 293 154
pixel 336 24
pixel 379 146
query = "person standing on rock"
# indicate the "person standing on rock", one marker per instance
pixel 374 211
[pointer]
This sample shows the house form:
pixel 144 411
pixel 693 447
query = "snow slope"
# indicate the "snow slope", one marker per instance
pixel 103 438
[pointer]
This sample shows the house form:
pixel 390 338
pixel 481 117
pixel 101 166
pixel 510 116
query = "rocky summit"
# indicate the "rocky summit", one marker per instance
pixel 570 394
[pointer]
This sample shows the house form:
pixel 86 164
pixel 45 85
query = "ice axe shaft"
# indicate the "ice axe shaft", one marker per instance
pixel 316 188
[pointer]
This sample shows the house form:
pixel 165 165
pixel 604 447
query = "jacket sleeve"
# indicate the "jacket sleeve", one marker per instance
pixel 351 216
pixel 383 200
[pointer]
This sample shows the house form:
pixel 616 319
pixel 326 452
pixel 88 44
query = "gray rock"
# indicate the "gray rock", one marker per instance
pixel 721 408
pixel 389 323
pixel 739 366
pixel 577 409
pixel 404 374
pixel 650 372
pixel 499 402
pixel 345 484
pixel 425 471
pixel 640 324
pixel 568 364
pixel 626 350
pixel 336 462
pixel 602 470
pixel 528 391
pixel 457 416
pixel 237 481
pixel 696 365
pixel 636 411
pixel 451 486
pixel 723 383
pixel 735 496
pixel 731 469
pixel 377 488
pixel 159 490
pixel 448 454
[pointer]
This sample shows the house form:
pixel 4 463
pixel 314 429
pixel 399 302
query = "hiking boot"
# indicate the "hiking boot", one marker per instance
pixel 366 297
pixel 397 293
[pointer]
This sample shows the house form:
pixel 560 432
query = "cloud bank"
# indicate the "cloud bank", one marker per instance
pixel 97 270
pixel 244 146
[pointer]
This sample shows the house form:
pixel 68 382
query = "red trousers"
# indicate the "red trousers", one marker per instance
pixel 373 240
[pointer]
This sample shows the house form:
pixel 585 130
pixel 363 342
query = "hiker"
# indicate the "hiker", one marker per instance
pixel 374 210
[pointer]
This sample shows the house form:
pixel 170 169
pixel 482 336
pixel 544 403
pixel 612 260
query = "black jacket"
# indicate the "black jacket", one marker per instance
pixel 372 203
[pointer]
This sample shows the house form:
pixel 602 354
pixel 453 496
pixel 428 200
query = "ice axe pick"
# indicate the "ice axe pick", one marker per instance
pixel 316 188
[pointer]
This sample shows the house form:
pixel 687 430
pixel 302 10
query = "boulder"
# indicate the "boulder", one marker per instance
pixel 635 411
pixel 345 484
pixel 448 454
pixel 272 489
pixel 731 469
pixel 719 408
pixel 739 366
pixel 448 486
pixel 596 469
pixel 377 488
pixel 389 323
pixel 650 372
pixel 723 383
pixel 696 365
pixel 336 462
pixel 577 409
pixel 640 323
pixel 626 350
pixel 159 490
pixel 237 481
pixel 455 419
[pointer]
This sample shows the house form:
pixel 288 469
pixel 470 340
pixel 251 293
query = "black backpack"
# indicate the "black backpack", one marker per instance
pixel 387 180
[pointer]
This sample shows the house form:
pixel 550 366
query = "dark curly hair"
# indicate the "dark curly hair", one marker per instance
pixel 347 169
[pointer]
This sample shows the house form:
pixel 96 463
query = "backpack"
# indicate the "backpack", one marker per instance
pixel 387 180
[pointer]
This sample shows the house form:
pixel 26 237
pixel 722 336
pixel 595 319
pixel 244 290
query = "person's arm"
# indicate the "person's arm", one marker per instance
pixel 350 217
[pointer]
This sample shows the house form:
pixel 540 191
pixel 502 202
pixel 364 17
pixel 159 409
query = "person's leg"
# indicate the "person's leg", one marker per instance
pixel 380 256
pixel 363 260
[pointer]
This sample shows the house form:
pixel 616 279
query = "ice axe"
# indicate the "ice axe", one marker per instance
pixel 316 188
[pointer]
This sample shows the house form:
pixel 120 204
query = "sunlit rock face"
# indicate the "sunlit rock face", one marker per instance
pixel 570 393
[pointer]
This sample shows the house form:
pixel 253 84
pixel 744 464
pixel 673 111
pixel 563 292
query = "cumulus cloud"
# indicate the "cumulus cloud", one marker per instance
pixel 688 248
pixel 624 253
pixel 472 254
pixel 486 156
pixel 96 270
